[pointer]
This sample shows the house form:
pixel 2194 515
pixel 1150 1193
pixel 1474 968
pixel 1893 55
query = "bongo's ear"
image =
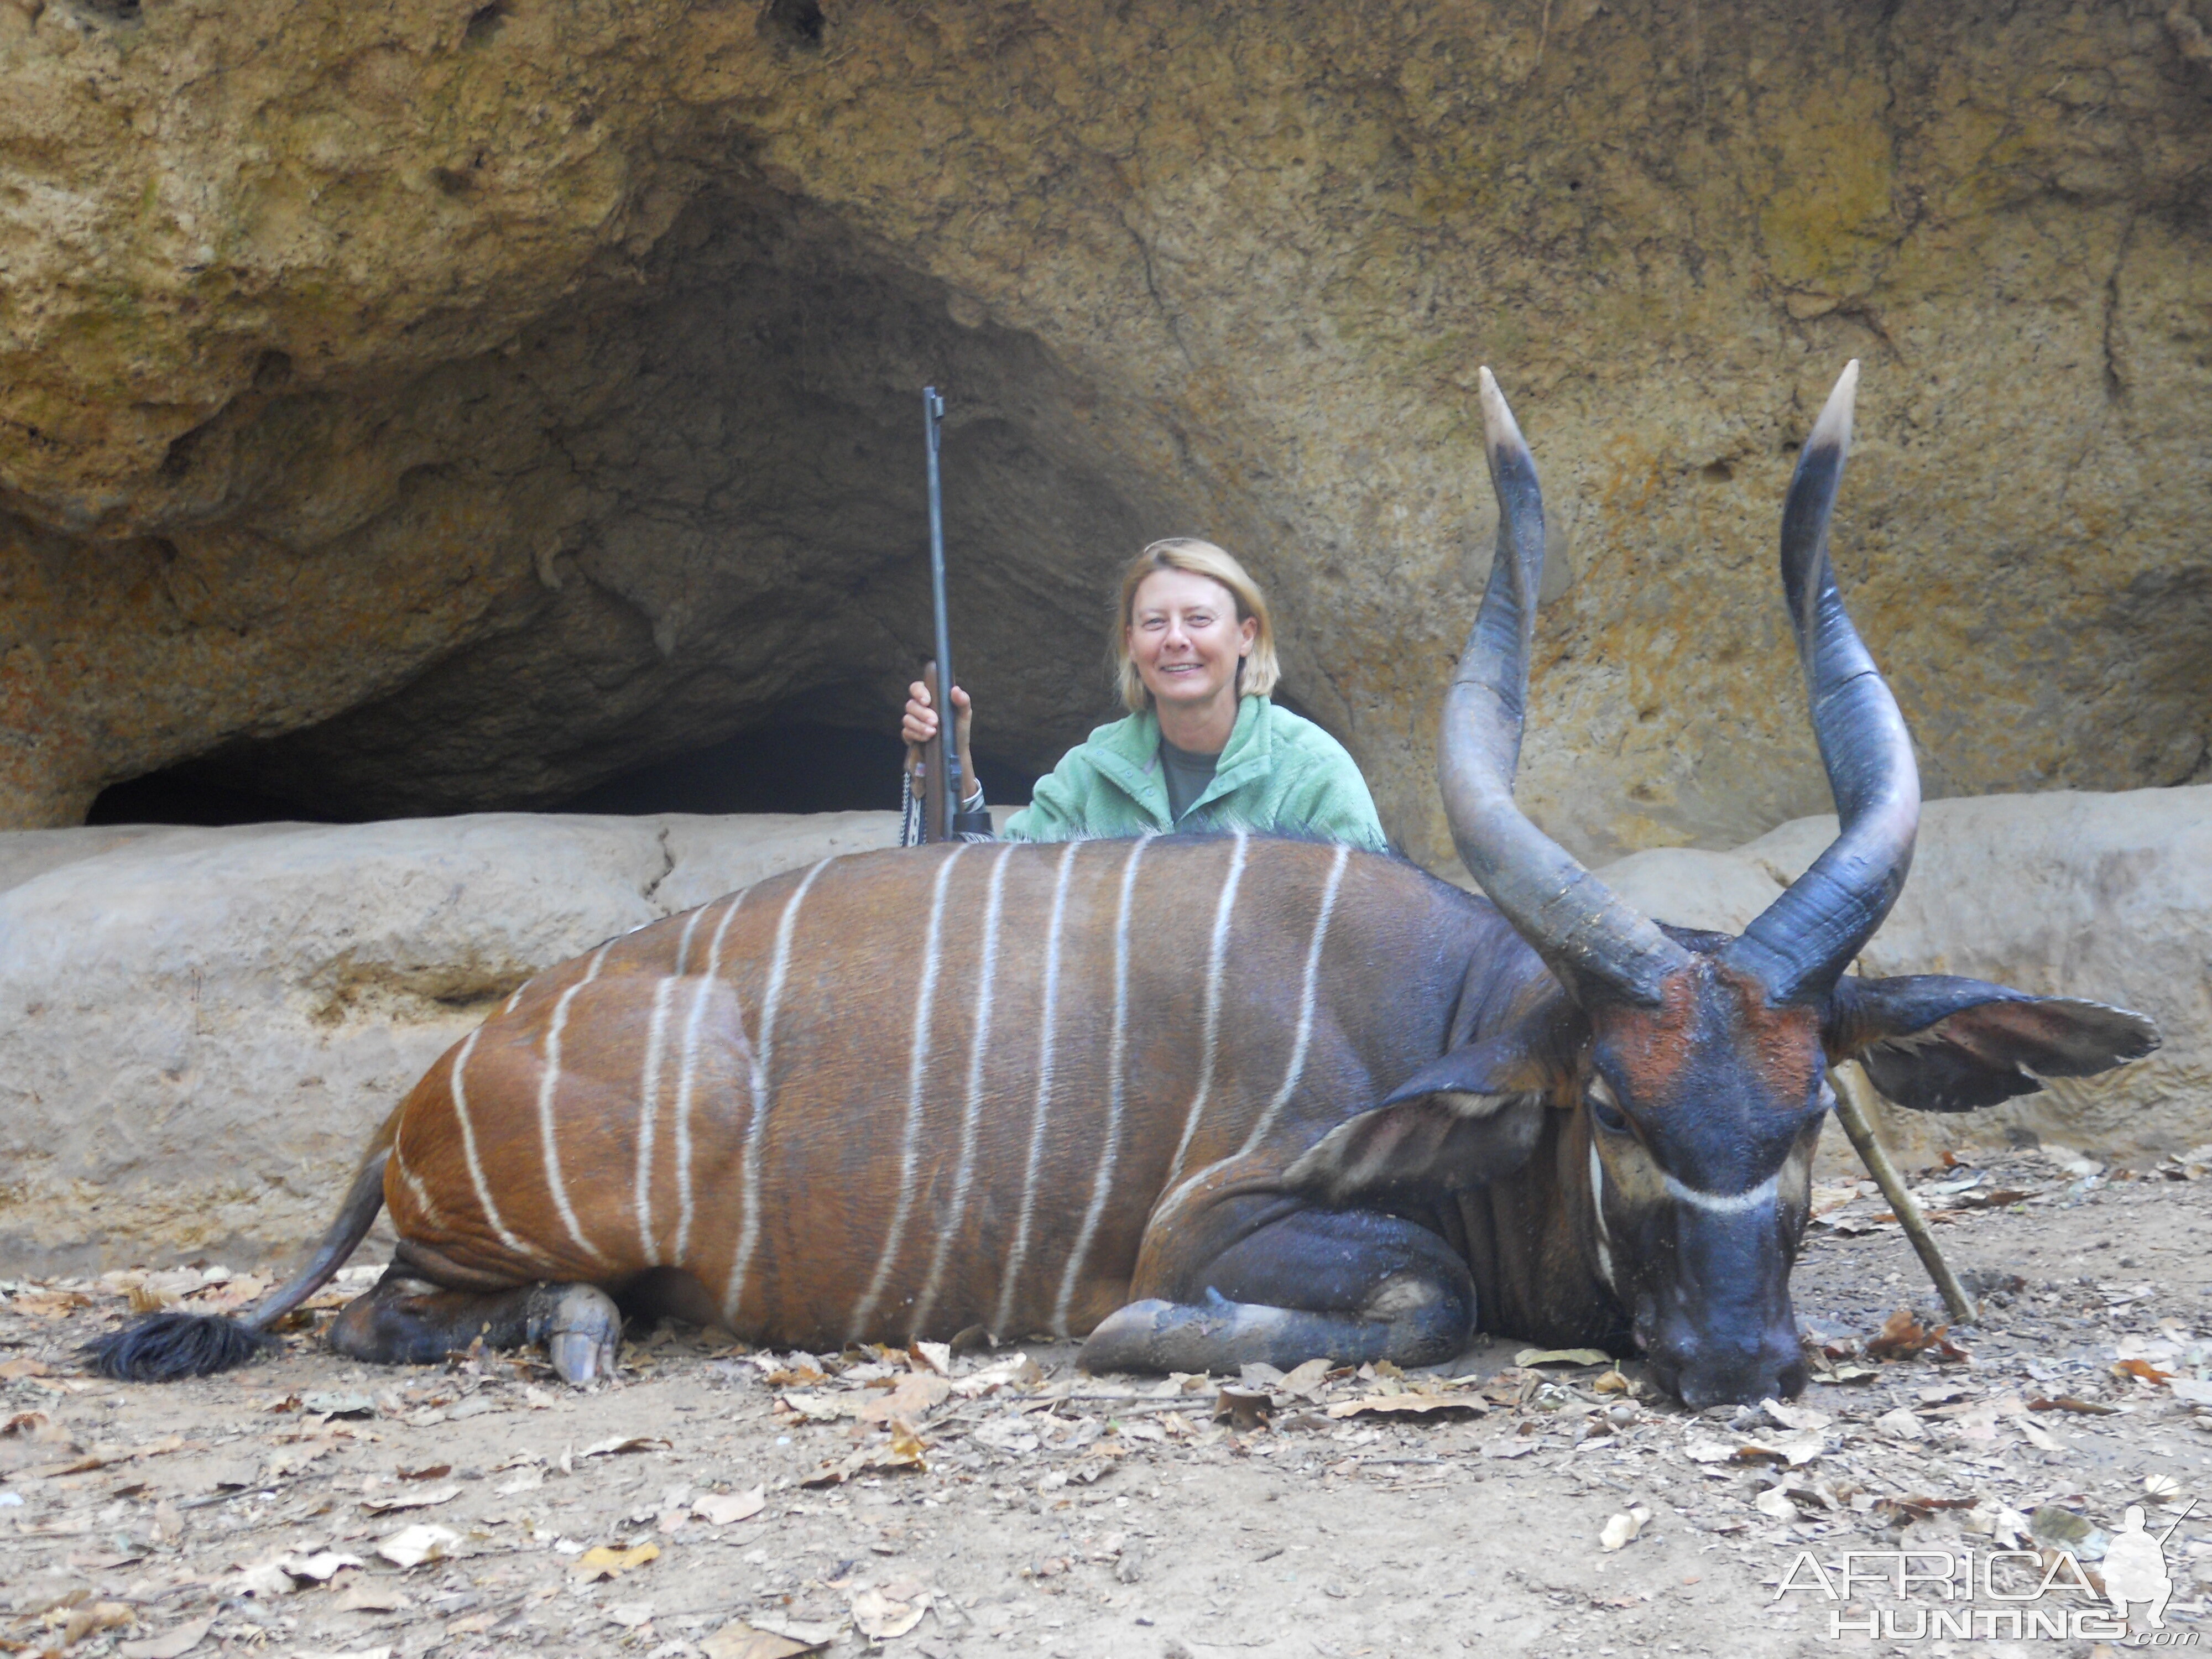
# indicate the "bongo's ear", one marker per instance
pixel 1440 1142
pixel 1939 1043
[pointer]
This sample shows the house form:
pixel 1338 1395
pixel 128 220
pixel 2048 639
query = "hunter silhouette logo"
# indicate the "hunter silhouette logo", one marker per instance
pixel 2135 1566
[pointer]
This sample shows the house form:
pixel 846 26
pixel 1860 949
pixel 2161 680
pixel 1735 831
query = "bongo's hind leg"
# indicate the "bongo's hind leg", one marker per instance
pixel 406 1321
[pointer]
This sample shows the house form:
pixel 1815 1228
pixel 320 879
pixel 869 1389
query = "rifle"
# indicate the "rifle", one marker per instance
pixel 940 759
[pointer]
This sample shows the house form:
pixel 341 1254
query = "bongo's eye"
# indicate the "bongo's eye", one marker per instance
pixel 1606 1110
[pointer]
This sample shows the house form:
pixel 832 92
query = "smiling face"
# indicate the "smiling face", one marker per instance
pixel 1701 1116
pixel 1186 638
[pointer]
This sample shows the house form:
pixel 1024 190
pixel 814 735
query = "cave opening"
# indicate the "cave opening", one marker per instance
pixel 787 765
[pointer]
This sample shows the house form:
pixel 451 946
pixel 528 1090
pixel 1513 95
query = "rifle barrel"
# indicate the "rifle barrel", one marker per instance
pixel 942 782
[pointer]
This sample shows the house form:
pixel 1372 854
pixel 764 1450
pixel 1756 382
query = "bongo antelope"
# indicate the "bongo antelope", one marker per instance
pixel 1200 1100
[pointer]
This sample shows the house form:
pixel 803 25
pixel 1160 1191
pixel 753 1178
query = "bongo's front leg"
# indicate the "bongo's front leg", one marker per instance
pixel 407 1321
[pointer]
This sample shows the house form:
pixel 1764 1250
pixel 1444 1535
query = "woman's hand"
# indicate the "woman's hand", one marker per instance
pixel 919 725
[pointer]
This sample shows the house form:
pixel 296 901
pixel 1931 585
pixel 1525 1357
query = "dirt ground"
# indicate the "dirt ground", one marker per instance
pixel 712 1500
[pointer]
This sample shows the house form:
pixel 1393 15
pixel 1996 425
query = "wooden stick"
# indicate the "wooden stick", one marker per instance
pixel 1854 1093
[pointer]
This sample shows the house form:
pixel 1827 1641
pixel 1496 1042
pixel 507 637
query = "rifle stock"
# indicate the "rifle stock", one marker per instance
pixel 932 762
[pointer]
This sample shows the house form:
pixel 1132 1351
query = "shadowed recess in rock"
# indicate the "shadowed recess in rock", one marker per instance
pixel 785 767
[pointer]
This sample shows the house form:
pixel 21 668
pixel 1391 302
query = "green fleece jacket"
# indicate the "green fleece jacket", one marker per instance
pixel 1278 773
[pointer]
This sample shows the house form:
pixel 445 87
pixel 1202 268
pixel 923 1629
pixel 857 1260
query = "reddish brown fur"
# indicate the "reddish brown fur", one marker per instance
pixel 1702 1003
pixel 832 1168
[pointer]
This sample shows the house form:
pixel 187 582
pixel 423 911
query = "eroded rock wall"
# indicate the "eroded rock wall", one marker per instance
pixel 445 405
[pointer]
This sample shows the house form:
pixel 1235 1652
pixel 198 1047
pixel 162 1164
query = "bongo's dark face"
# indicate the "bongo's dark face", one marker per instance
pixel 1702 1114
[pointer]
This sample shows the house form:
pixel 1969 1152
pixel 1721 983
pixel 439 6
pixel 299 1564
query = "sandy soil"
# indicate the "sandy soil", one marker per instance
pixel 1017 1506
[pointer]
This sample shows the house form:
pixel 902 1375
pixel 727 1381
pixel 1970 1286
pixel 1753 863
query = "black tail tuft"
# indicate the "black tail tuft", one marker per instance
pixel 166 1347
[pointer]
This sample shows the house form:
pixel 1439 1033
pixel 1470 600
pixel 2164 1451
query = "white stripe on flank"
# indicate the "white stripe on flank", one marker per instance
pixel 416 1189
pixel 1723 1203
pixel 948 1227
pixel 648 1111
pixel 685 1078
pixel 592 968
pixel 1597 1204
pixel 763 1053
pixel 516 997
pixel 549 1081
pixel 683 940
pixel 1102 1182
pixel 1214 958
pixel 715 943
pixel 460 1095
pixel 1296 1072
pixel 684 1092
pixel 1011 1281
pixel 917 1074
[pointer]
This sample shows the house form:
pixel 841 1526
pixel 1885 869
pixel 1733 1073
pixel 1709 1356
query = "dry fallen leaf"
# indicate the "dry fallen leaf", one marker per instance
pixel 902 1456
pixel 930 1355
pixel 1902 1336
pixel 818 1407
pixel 1563 1357
pixel 2067 1402
pixel 171 1644
pixel 1900 1425
pixel 1794 1448
pixel 1795 1417
pixel 608 1562
pixel 413 1546
pixel 725 1509
pixel 1013 1371
pixel 2142 1370
pixel 90 1616
pixel 879 1617
pixel 913 1396
pixel 1775 1502
pixel 1308 1381
pixel 264 1579
pixel 320 1567
pixel 1410 1405
pixel 369 1596
pixel 738 1640
pixel 636 1443
pixel 1243 1409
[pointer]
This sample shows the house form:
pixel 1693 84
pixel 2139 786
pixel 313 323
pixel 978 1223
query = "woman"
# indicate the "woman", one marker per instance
pixel 1203 747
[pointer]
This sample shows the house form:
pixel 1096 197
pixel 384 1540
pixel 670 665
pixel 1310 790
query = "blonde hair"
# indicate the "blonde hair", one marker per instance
pixel 1260 669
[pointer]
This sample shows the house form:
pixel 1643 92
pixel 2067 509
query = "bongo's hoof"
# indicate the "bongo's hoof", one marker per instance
pixel 581 1332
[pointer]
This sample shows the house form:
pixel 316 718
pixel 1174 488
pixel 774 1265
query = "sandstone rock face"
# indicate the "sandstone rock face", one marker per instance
pixel 2103 897
pixel 445 405
pixel 198 1029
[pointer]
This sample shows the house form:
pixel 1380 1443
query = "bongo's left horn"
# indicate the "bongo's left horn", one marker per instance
pixel 1598 946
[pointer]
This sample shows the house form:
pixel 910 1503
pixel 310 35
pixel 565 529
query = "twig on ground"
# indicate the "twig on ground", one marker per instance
pixel 1853 1095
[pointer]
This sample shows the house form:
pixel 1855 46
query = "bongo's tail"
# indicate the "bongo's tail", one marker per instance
pixel 167 1346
